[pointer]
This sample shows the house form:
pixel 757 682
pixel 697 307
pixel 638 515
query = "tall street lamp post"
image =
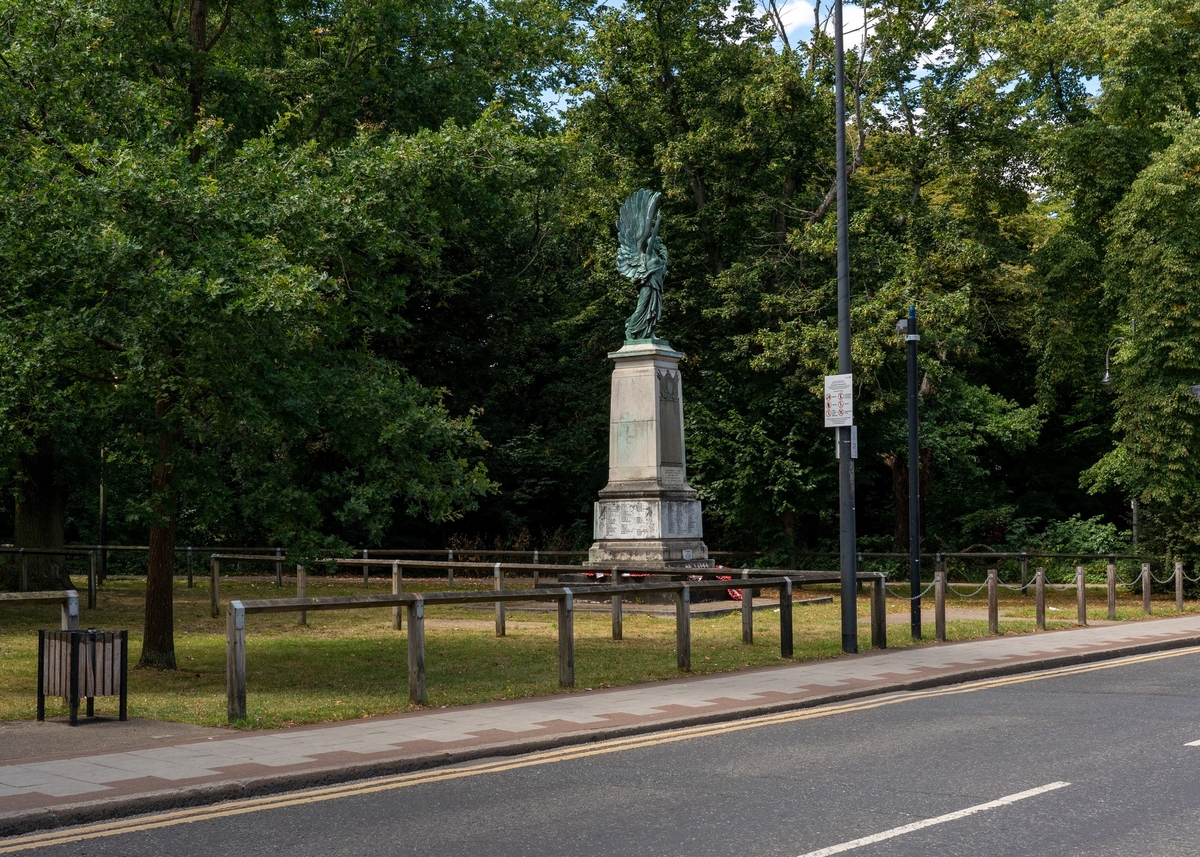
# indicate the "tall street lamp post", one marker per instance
pixel 102 569
pixel 908 328
pixel 847 536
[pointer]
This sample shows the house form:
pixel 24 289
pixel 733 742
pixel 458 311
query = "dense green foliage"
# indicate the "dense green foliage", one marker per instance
pixel 343 273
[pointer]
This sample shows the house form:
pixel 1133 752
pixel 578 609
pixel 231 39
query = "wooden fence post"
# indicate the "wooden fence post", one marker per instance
pixel 1081 595
pixel 993 587
pixel 235 662
pixel 939 606
pixel 366 570
pixel 214 585
pixel 301 592
pixel 191 567
pixel 40 714
pixel 683 628
pixel 123 711
pixel 1146 588
pixel 879 612
pixel 566 639
pixel 499 604
pixel 786 643
pixel 450 571
pixel 279 568
pixel 416 651
pixel 1111 575
pixel 24 571
pixel 397 587
pixel 1040 609
pixel 1024 573
pixel 70 612
pixel 73 666
pixel 1179 587
pixel 618 629
pixel 747 609
pixel 92 563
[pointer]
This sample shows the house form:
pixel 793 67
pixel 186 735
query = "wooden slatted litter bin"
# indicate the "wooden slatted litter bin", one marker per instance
pixel 79 665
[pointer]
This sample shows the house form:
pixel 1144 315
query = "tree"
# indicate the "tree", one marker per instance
pixel 1101 83
pixel 1153 267
pixel 222 295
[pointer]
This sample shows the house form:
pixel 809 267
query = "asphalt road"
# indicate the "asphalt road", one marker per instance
pixel 1105 745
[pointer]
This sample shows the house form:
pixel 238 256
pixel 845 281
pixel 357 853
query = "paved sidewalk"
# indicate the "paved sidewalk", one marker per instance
pixel 175 766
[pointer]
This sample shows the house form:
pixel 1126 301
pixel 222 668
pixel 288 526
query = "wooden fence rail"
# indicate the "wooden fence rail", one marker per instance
pixel 614 572
pixel 68 599
pixel 23 555
pixel 214 573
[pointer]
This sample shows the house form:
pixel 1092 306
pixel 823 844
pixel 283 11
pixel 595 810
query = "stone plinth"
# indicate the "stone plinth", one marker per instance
pixel 647 514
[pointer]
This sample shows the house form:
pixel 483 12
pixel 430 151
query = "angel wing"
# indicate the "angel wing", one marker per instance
pixel 637 223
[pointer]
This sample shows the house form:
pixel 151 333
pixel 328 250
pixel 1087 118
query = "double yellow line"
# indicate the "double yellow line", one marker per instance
pixel 547 757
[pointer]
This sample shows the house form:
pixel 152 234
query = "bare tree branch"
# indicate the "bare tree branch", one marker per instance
pixel 221 29
pixel 777 21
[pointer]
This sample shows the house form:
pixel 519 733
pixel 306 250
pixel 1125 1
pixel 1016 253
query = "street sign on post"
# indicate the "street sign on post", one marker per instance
pixel 839 400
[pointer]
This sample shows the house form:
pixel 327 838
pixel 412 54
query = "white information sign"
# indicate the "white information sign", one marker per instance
pixel 839 400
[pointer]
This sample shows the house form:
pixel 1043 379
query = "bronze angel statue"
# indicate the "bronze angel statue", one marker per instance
pixel 642 258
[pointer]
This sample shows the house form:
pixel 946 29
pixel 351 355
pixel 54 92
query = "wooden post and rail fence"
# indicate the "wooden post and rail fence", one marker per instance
pixel 456 559
pixel 413 604
pixel 615 573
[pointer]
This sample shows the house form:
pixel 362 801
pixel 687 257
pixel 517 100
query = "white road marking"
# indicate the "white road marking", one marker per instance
pixel 930 822
pixel 1192 744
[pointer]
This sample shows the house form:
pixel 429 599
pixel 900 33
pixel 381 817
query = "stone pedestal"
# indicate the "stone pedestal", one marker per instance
pixel 647 514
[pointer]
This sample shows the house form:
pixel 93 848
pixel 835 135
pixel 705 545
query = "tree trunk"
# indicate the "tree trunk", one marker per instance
pixel 788 519
pixel 197 36
pixel 898 464
pixel 158 642
pixel 899 467
pixel 41 504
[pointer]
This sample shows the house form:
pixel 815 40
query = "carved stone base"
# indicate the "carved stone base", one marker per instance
pixel 649 518
pixel 650 553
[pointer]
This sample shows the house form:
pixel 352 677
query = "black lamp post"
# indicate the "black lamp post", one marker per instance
pixel 102 565
pixel 907 327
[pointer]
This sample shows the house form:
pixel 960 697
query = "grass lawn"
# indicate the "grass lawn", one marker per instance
pixel 350 663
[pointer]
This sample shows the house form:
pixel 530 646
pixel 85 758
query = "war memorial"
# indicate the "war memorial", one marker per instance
pixel 647 513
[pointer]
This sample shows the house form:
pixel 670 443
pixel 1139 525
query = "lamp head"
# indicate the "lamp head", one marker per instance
pixel 1108 379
